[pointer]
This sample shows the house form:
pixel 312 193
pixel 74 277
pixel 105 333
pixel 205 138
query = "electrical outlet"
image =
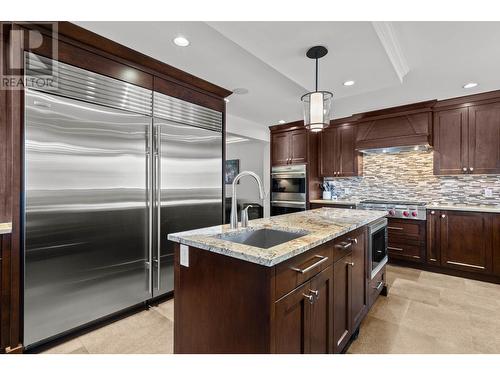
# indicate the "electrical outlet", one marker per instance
pixel 488 192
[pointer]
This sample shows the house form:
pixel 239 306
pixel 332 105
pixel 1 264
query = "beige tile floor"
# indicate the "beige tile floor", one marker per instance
pixel 423 313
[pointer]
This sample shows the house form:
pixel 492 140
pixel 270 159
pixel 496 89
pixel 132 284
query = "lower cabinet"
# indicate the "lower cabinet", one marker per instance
pixel 464 241
pixel 304 317
pixel 496 245
pixel 342 303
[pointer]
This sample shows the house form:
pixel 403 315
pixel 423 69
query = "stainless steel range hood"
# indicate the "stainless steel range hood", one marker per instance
pixel 395 150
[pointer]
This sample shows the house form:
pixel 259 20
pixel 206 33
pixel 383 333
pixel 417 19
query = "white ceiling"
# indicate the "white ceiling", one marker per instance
pixel 393 63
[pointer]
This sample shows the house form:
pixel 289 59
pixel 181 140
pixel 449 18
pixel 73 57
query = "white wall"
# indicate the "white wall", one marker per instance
pixel 253 156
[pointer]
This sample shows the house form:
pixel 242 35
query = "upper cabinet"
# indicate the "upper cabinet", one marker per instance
pixel 289 147
pixel 337 154
pixel 407 125
pixel 467 139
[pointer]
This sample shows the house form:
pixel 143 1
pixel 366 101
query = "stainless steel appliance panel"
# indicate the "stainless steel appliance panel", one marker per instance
pixel 86 213
pixel 377 245
pixel 189 175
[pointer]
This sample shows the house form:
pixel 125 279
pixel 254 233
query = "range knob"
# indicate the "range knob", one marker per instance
pixel 392 212
pixel 406 213
pixel 414 214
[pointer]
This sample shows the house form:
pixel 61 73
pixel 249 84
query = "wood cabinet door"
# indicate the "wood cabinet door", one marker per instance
pixel 347 155
pixel 359 280
pixel 280 146
pixel 327 152
pixel 322 312
pixel 298 146
pixel 484 139
pixel 496 244
pixel 466 241
pixel 341 303
pixel 292 320
pixel 450 141
pixel 433 237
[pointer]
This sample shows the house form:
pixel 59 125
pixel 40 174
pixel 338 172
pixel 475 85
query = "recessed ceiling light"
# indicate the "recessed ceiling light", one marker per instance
pixel 470 85
pixel 181 41
pixel 281 121
pixel 349 83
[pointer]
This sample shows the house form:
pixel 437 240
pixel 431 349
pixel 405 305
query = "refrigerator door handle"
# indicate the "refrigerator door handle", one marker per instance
pixel 158 204
pixel 149 183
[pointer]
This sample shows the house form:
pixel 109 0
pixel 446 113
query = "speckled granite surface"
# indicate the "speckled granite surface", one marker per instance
pixel 465 207
pixel 321 225
pixel 5 228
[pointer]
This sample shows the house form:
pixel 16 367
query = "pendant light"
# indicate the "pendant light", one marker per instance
pixel 317 104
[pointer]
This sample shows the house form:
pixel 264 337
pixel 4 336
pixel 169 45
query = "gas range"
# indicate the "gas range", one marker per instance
pixel 410 210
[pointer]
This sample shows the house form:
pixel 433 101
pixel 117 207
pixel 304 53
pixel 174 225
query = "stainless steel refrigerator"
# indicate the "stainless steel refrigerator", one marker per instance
pixel 109 170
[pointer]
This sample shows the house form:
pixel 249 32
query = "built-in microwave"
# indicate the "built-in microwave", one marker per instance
pixel 288 189
pixel 377 245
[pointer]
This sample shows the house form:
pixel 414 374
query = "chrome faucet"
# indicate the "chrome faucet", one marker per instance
pixel 234 211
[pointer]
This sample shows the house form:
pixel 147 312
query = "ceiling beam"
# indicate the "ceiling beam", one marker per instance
pixel 387 35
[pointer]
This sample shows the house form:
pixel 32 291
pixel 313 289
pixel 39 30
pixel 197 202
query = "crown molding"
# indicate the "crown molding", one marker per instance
pixel 387 35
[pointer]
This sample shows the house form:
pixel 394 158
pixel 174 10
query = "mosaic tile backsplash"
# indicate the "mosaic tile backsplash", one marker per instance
pixel 408 176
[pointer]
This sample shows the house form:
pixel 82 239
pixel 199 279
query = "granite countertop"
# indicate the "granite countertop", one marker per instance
pixel 493 208
pixel 5 228
pixel 332 201
pixel 322 225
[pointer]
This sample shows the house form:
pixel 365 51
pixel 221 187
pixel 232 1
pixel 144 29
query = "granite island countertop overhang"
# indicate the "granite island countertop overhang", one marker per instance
pixel 322 225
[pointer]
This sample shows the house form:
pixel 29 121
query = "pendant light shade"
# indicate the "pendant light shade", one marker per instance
pixel 317 104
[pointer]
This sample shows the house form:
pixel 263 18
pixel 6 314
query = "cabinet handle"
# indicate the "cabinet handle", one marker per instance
pixel 464 169
pixel 433 212
pixel 315 292
pixel 471 169
pixel 350 263
pixel 354 240
pixel 309 297
pixel 395 228
pixel 344 245
pixel 379 284
pixel 394 248
pixel 443 216
pixel 322 259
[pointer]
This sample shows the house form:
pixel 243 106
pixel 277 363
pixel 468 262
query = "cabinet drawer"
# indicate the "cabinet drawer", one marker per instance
pixel 342 246
pixel 375 286
pixel 301 268
pixel 406 251
pixel 400 228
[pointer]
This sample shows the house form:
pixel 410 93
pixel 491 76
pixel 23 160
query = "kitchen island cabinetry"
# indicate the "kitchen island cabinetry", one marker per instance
pixel 312 302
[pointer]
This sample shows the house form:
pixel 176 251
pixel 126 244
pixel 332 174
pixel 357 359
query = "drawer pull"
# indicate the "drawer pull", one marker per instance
pixel 350 263
pixel 309 297
pixel 322 259
pixel 394 248
pixel 353 240
pixel 379 284
pixel 315 292
pixel 395 228
pixel 344 245
pixel 465 265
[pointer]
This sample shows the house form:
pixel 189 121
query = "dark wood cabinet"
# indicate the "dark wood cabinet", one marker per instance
pixel 463 241
pixel 466 241
pixel 337 154
pixel 359 280
pixel 289 147
pixel 484 139
pixel 467 140
pixel 496 244
pixel 341 303
pixel 304 317
pixel 406 239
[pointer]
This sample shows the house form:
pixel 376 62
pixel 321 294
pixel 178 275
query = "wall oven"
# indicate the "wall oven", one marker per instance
pixel 377 245
pixel 288 189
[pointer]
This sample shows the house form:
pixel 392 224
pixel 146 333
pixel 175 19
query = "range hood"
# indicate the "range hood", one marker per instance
pixel 395 150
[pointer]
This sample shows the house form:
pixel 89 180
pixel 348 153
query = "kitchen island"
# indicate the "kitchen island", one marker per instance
pixel 296 283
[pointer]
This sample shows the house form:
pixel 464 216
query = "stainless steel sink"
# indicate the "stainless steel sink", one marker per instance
pixel 263 238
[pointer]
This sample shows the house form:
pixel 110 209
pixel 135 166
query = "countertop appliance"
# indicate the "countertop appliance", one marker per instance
pixel 106 178
pixel 377 245
pixel 411 210
pixel 288 189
